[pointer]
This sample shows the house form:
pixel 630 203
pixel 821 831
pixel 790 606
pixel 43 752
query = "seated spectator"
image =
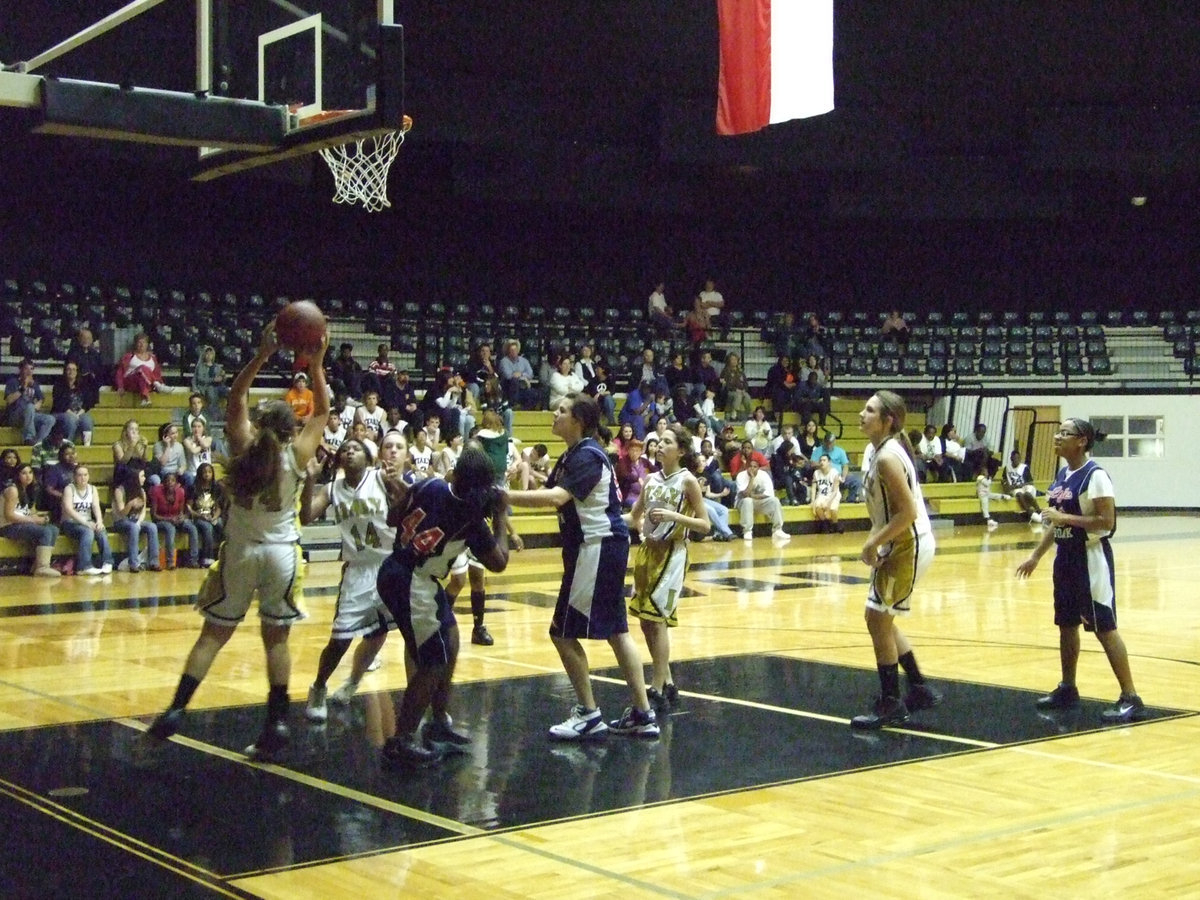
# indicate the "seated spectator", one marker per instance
pixel 631 471
pixel 170 458
pixel 585 363
pixel 82 520
pixel 696 323
pixel 564 381
pixel 705 410
pixel 208 380
pixel 24 400
pixel 895 327
pixel 758 430
pixel 827 495
pixel 20 520
pixel 650 455
pixel 300 398
pixel 704 377
pixel 809 441
pixel 450 400
pixel 979 453
pixel 954 455
pixel 130 518
pixel 420 457
pixel 198 448
pixel 838 458
pixel 700 434
pixel 398 394
pixel 814 365
pixel 659 313
pixel 433 430
pixel 379 372
pixel 45 452
pixel 372 415
pixel 516 377
pixel 718 513
pixel 746 453
pixel 345 374
pixel 359 433
pixel 480 367
pixel 538 466
pixel 129 446
pixel 10 464
pixel 446 459
pixel 195 412
pixel 756 494
pixel 636 411
pixel 780 388
pixel 678 378
pixel 736 389
pixel 206 506
pixel 1017 482
pixel 139 371
pixel 794 474
pixel 55 479
pixel 598 386
pixel 816 336
pixel 811 399
pixel 780 453
pixel 93 372
pixel 492 399
pixel 711 300
pixel 70 408
pixel 727 446
pixel 168 508
pixel 929 459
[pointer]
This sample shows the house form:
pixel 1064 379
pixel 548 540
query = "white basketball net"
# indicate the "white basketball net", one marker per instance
pixel 360 169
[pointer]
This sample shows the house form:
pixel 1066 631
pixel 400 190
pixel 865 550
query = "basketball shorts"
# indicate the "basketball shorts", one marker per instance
pixel 892 582
pixel 360 610
pixel 274 571
pixel 591 601
pixel 658 570
pixel 464 561
pixel 421 611
pixel 1083 587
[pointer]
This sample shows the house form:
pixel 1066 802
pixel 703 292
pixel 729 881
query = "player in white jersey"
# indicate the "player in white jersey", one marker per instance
pixel 261 552
pixel 420 457
pixel 359 503
pixel 670 505
pixel 899 549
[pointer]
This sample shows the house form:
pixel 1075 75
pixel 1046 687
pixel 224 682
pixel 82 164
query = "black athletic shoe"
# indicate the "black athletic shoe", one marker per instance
pixel 1065 696
pixel 671 693
pixel 657 700
pixel 1126 709
pixel 480 635
pixel 165 725
pixel 404 753
pixel 270 742
pixel 146 746
pixel 885 711
pixel 922 696
pixel 444 740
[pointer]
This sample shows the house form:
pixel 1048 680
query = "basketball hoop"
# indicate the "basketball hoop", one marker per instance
pixel 360 168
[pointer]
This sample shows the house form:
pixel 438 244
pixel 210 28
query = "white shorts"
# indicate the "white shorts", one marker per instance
pixel 274 571
pixel 360 609
pixel 892 583
pixel 462 562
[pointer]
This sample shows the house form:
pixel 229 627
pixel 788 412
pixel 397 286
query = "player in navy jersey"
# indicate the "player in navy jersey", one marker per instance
pixel 435 520
pixel 1081 517
pixel 591 601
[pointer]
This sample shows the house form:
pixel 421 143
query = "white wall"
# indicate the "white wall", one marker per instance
pixel 1168 482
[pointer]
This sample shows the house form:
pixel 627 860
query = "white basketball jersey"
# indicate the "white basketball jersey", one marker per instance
pixel 661 492
pixel 361 516
pixel 877 500
pixel 270 524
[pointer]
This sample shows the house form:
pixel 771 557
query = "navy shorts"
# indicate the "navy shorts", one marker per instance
pixel 591 601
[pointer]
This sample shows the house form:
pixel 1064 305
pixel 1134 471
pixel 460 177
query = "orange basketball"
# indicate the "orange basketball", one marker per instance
pixel 300 326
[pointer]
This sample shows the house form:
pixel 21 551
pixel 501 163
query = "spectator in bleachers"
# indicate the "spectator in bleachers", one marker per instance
pixel 168 507
pixel 379 371
pixel 82 520
pixel 450 399
pixel 493 399
pixel 1017 482
pixel 953 453
pixel 809 440
pixel 564 381
pixel 516 377
pixel 696 323
pixel 598 386
pixel 300 398
pixel 20 520
pixel 195 412
pixel 747 452
pixel 727 445
pixel 851 481
pixel 758 430
pixel 816 337
pixel 780 388
pixel 636 410
pixel 646 370
pixel 718 514
pixel 24 399
pixel 705 410
pixel 756 494
pixel 129 514
pixel 786 441
pixel 814 365
pixel 345 373
pixel 620 442
pixel 677 375
pixel 978 452
pixel 206 506
pixel 85 353
pixel 359 433
pixel 129 446
pixel 735 389
pixel 929 461
pixel 585 363
pixel 631 471
pixel 398 394
pixel 169 456
pixel 70 408
pixel 811 399
pixel 659 312
pixel 373 416
pixel 198 447
pixel 45 451
pixel 10 464
pixel 480 367
pixel 433 428
pixel 827 495
pixel 650 454
pixel 704 377
pixel 894 327
pixel 700 434
pixel 711 301
pixel 55 479
pixel 208 380
pixel 420 457
pixel 139 371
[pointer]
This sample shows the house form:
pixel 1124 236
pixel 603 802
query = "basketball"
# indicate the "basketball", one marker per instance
pixel 300 326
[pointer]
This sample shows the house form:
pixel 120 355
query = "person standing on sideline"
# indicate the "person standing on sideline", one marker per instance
pixel 670 505
pixel 899 549
pixel 1081 517
pixel 359 500
pixel 591 600
pixel 436 519
pixel 261 552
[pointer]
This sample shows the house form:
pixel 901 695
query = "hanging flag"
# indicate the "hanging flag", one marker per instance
pixel 776 62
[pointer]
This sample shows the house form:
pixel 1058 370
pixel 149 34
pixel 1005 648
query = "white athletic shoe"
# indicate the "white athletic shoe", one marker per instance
pixel 374 664
pixel 345 693
pixel 992 524
pixel 316 710
pixel 780 535
pixel 91 570
pixel 106 569
pixel 748 536
pixel 583 725
pixel 1035 518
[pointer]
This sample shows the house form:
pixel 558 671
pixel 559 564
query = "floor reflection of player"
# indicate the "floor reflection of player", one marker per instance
pixel 359 502
pixel 436 520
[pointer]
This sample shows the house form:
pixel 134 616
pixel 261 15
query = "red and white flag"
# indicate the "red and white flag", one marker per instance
pixel 776 62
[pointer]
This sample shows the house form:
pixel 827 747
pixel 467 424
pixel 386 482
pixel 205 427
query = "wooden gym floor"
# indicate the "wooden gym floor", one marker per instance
pixel 757 786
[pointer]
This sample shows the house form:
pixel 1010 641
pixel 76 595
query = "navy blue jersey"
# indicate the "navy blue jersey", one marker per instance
pixel 594 512
pixel 435 526
pixel 1073 492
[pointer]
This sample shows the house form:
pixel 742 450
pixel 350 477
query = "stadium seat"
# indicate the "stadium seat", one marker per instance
pixel 936 365
pixel 1099 365
pixel 1062 317
pixel 1073 365
pixel 1017 348
pixel 1139 318
pixel 991 365
pixel 1096 348
pixel 1045 365
pixel 964 365
pixel 910 365
pixel 960 319
pixel 1018 333
pixel 1016 365
pixel 887 365
pixel 860 366
pixel 992 348
pixel 1088 317
pixel 1010 318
